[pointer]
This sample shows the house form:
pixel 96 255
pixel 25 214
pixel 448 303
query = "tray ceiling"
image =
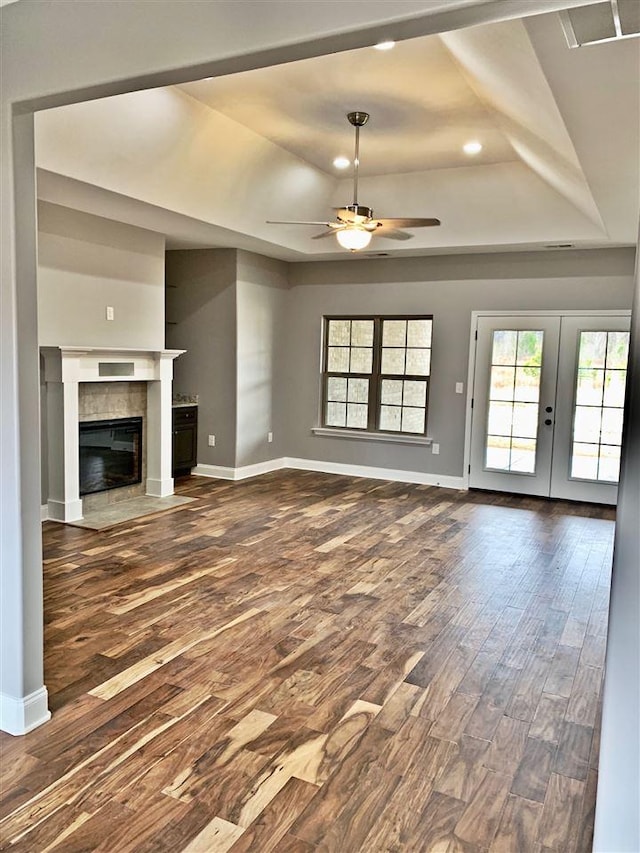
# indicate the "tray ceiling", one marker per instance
pixel 559 130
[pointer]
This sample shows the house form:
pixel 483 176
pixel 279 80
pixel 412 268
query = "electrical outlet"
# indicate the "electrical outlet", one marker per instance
pixel 435 449
pixel 269 437
pixel 459 388
pixel 109 312
pixel 212 441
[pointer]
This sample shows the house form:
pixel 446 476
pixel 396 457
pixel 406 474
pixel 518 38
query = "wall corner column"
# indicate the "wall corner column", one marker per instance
pixel 159 433
pixel 23 696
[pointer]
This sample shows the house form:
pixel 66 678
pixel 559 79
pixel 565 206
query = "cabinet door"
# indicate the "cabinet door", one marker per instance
pixel 184 447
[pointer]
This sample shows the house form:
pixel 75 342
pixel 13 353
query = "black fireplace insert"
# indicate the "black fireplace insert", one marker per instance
pixel 110 454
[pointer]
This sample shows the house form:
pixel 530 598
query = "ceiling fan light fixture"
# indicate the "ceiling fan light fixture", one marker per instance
pixel 353 238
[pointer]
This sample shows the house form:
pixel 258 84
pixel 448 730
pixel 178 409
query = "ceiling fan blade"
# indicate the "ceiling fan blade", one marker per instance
pixel 408 222
pixel 333 229
pixel 392 233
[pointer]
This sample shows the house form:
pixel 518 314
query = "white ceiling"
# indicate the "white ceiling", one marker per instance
pixel 219 157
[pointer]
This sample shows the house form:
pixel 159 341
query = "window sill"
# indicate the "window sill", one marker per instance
pixel 335 432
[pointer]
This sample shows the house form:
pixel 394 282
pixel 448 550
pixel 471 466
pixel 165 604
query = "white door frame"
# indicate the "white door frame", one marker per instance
pixel 610 312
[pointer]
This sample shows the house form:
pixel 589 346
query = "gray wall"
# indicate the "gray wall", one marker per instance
pixel 227 308
pixel 261 301
pixel 617 825
pixel 450 288
pixel 201 318
pixel 86 263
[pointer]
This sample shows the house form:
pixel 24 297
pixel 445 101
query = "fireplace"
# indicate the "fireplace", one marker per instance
pixel 90 385
pixel 110 454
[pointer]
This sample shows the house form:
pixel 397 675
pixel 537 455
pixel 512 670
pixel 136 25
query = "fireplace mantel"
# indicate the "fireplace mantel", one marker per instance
pixel 65 368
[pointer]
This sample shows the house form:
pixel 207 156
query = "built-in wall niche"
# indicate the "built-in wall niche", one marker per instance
pixel 116 368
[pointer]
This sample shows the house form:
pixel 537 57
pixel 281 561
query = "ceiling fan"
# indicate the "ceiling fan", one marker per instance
pixel 354 224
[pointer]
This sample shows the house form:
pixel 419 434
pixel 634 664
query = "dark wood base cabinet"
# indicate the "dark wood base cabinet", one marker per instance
pixel 185 439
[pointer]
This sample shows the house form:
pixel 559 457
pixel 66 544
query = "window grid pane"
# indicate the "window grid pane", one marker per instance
pixel 403 405
pixel 389 367
pixel 514 394
pixel 599 407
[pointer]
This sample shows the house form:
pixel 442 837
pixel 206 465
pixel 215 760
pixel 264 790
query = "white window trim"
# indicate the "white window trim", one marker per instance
pixel 363 435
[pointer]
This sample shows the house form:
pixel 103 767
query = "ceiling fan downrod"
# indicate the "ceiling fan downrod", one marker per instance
pixel 357 119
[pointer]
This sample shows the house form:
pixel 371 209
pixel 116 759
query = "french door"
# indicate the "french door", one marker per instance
pixel 548 397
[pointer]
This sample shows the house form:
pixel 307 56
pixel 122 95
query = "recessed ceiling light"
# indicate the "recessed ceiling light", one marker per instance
pixel 385 45
pixel 472 147
pixel 341 162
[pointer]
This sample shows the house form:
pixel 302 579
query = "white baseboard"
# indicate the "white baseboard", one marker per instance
pixel 392 474
pixel 64 511
pixel 44 513
pixel 218 472
pixel 244 472
pixel 159 488
pixel 19 716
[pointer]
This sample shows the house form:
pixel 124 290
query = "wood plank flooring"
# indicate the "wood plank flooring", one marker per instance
pixel 305 662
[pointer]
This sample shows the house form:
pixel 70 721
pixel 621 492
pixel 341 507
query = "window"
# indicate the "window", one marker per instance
pixel 376 373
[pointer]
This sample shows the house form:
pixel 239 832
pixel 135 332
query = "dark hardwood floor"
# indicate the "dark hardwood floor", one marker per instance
pixel 304 662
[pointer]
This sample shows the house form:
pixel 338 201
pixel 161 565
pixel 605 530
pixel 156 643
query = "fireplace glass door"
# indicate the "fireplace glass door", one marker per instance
pixel 110 454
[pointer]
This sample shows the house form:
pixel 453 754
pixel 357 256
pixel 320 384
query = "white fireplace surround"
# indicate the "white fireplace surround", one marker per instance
pixel 64 369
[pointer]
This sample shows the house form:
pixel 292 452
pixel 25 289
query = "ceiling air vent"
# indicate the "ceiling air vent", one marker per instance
pixel 601 22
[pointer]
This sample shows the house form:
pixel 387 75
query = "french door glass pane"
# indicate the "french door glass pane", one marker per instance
pixel 598 413
pixel 514 394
